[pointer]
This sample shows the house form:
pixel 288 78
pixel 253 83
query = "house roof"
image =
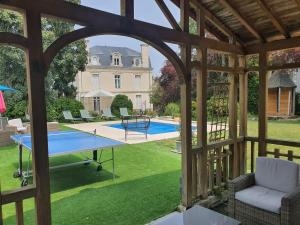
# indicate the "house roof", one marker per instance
pixel 105 52
pixel 281 78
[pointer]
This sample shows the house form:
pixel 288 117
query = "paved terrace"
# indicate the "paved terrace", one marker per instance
pixel 118 134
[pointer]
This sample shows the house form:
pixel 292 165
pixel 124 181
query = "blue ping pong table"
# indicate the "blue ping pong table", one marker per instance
pixel 64 143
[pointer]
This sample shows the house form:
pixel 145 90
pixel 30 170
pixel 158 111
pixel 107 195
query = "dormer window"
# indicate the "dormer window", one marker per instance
pixel 95 60
pixel 116 59
pixel 136 62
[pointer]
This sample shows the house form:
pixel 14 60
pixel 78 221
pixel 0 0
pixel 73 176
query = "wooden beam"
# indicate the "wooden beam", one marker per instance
pixel 298 2
pixel 186 113
pixel 127 9
pixel 13 39
pixel 243 21
pixel 263 5
pixel 284 66
pixel 38 122
pixel 202 76
pixel 214 20
pixel 164 8
pixel 18 195
pixel 243 104
pixel 101 20
pixel 263 101
pixel 273 46
pixel 233 101
pixel 19 213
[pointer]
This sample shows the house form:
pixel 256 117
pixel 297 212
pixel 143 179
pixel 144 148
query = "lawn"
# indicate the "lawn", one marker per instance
pixel 146 187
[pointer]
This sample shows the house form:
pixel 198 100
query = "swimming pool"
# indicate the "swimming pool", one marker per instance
pixel 155 127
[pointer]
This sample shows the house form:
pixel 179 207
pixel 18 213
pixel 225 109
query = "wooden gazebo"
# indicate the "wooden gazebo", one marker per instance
pixel 242 27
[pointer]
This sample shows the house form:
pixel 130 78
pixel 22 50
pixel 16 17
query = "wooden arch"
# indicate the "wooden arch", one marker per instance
pixel 86 32
pixel 15 40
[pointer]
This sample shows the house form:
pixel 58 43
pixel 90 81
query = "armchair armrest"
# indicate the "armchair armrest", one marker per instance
pixel 290 208
pixel 236 185
pixel 241 182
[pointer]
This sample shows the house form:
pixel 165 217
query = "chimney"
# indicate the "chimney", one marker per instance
pixel 145 55
pixel 87 43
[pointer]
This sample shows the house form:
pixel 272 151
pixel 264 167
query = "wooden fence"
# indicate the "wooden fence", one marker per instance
pixel 276 152
pixel 16 196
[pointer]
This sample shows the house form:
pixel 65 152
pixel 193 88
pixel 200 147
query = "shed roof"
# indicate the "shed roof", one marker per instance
pixel 253 20
pixel 281 79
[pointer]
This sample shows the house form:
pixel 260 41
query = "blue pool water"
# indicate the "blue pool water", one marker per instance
pixel 155 127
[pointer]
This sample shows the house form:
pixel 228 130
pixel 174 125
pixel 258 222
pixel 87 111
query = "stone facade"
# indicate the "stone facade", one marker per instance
pixel 115 70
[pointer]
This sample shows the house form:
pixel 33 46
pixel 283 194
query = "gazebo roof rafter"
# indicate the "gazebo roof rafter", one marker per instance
pixel 277 23
pixel 245 23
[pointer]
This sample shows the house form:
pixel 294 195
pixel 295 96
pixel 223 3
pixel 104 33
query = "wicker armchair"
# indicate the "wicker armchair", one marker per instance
pixel 260 211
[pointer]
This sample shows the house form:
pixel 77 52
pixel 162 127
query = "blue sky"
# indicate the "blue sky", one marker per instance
pixel 141 8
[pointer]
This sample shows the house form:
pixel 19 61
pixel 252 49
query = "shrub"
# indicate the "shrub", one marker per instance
pixel 16 109
pixel 121 101
pixel 172 109
pixel 63 104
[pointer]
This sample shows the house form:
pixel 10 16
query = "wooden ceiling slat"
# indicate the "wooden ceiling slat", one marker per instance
pixel 245 23
pixel 298 2
pixel 271 15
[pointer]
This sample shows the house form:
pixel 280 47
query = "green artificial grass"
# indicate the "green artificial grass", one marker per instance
pixel 146 187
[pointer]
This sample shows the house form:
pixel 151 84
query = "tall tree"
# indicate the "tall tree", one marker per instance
pixel 62 72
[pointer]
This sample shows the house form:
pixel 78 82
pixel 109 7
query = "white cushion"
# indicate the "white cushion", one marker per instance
pixel 15 123
pixel 261 197
pixel 277 174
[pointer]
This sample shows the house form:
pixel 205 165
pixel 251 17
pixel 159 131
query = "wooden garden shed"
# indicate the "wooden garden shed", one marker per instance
pixel 281 95
pixel 242 29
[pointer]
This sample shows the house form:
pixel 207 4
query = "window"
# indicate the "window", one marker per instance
pixel 97 104
pixel 96 81
pixel 138 101
pixel 137 81
pixel 116 59
pixel 117 81
pixel 95 60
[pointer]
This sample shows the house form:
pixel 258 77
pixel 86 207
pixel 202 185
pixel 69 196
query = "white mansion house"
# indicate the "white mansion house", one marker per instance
pixel 115 70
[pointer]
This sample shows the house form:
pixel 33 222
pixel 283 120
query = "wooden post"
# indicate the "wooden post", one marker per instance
pixel 19 213
pixel 262 109
pixel 202 111
pixel 37 106
pixel 243 103
pixel 233 100
pixel 186 112
pixel 127 8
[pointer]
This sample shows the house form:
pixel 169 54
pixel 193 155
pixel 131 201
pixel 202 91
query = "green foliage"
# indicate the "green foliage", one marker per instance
pixel 194 110
pixel 215 106
pixel 172 109
pixel 297 109
pixel 16 109
pixel 253 85
pixel 63 104
pixel 121 101
pixel 62 71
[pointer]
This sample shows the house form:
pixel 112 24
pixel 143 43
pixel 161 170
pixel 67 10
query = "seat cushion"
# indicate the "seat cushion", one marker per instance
pixel 261 197
pixel 277 174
